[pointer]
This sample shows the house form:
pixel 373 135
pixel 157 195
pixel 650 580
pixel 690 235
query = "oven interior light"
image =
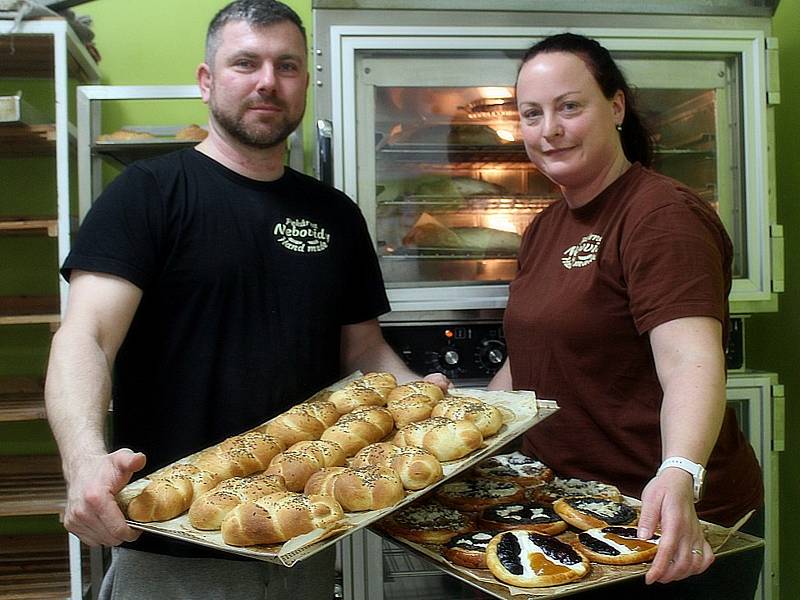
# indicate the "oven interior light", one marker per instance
pixel 505 134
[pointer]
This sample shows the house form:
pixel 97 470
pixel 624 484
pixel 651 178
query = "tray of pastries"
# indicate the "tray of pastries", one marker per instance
pixel 510 527
pixel 345 458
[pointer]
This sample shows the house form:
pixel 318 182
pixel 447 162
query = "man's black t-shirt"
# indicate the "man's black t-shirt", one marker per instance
pixel 246 285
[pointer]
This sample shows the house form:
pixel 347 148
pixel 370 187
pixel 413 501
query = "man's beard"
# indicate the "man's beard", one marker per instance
pixel 260 137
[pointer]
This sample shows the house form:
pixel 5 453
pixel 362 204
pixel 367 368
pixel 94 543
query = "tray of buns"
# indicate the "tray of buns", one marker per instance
pixel 511 528
pixel 345 458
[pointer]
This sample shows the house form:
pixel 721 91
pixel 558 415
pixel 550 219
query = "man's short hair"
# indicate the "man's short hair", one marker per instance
pixel 256 13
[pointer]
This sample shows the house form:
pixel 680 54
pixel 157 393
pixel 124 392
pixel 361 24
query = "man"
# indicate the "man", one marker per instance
pixel 221 287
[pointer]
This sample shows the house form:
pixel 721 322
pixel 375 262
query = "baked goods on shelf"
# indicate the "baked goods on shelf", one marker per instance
pixel 527 516
pixel 427 522
pixel 124 135
pixel 590 512
pixel 304 459
pixel 617 546
pixel 170 493
pixel 487 418
pixel 208 511
pixel 279 517
pixel 417 468
pixel 528 559
pixel 516 467
pixel 563 488
pixel 444 438
pixel 468 549
pixel 430 232
pixel 473 494
pixel 363 426
pixel 192 132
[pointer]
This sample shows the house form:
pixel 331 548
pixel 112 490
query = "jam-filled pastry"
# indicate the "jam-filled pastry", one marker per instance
pixel 427 523
pixel 528 559
pixel 528 516
pixel 563 488
pixel 468 549
pixel 617 546
pixel 590 512
pixel 516 467
pixel 473 494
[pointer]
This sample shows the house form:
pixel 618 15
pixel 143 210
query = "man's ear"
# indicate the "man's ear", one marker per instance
pixel 204 81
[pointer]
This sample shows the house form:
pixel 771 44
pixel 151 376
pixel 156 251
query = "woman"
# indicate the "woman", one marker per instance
pixel 619 313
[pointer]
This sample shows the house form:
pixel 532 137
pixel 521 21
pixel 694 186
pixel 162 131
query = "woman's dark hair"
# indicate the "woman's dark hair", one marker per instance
pixel 635 137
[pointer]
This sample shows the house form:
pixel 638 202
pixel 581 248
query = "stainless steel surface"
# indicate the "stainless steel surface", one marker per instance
pixel 679 7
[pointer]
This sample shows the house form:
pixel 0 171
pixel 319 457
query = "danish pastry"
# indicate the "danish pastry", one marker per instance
pixel 528 516
pixel 589 512
pixel 468 549
pixel 427 523
pixel 617 546
pixel 516 467
pixel 474 494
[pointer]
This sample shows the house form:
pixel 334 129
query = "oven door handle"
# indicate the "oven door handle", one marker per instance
pixel 324 151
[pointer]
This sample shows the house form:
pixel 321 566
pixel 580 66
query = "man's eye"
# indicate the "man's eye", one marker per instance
pixel 289 67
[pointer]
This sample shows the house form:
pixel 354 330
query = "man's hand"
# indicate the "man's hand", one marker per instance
pixel 440 380
pixel 682 550
pixel 92 512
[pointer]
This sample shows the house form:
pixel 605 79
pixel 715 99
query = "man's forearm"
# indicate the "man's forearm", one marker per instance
pixel 77 393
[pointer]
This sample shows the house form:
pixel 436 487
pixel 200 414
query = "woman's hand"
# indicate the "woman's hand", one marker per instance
pixel 668 502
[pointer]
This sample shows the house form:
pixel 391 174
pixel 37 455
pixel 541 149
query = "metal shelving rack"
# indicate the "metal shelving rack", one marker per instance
pixel 41 566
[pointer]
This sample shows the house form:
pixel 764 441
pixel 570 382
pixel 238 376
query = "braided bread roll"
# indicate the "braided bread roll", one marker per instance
pixel 239 455
pixel 358 489
pixel 304 421
pixel 444 438
pixel 322 482
pixel 360 428
pixel 278 517
pixel 486 417
pixel 304 459
pixel 431 390
pixel 170 493
pixel 417 468
pixel 208 510
pixel 383 383
pixel 410 408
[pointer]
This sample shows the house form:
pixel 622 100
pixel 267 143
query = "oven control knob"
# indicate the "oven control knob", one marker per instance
pixel 492 354
pixel 450 357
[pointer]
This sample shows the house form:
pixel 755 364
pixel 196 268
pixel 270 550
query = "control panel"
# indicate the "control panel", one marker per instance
pixel 462 351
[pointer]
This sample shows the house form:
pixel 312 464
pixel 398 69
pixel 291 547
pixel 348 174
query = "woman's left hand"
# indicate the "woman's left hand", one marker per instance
pixel 667 501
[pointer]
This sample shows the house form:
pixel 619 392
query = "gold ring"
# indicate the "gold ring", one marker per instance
pixel 697 551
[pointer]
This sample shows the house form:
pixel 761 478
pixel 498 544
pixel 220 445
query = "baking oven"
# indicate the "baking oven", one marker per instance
pixel 415 111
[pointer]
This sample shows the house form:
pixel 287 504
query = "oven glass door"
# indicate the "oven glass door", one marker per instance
pixel 446 186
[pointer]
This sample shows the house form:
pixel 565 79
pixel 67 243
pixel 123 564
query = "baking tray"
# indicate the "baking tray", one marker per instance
pixel 722 540
pixel 521 411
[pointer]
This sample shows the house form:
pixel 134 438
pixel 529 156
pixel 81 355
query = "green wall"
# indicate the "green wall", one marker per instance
pixel 161 41
pixel 773 339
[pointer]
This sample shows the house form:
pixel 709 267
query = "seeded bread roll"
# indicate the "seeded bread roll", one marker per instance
pixel 304 459
pixel 444 438
pixel 239 455
pixel 278 517
pixel 368 488
pixel 417 468
pixel 371 389
pixel 486 417
pixel 360 428
pixel 431 390
pixel 170 493
pixel 305 421
pixel 208 511
pixel 322 482
pixel 410 408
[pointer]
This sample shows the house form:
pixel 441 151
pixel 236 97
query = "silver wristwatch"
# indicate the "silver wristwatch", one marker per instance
pixel 697 471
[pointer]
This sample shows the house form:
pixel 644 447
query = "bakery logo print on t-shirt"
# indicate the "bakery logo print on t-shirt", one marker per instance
pixel 301 235
pixel 582 254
